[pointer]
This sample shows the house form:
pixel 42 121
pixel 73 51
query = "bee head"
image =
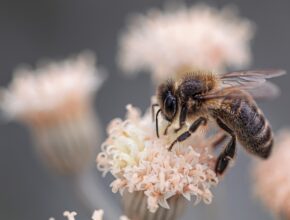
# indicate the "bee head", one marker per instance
pixel 168 100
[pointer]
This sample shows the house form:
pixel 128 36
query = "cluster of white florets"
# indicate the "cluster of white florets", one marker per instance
pixel 97 215
pixel 164 42
pixel 50 85
pixel 141 162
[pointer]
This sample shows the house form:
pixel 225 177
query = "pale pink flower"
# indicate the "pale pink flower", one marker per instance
pixel 69 215
pixel 55 101
pixel 272 177
pixel 164 42
pixel 51 87
pixel 97 215
pixel 140 162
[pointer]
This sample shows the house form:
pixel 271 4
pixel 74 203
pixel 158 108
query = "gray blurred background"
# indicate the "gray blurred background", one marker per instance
pixel 33 29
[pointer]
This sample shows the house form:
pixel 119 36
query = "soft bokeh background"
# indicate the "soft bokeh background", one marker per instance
pixel 33 29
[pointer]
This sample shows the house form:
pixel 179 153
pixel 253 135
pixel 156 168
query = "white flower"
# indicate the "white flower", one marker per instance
pixel 165 42
pixel 51 86
pixel 56 102
pixel 272 177
pixel 97 215
pixel 70 215
pixel 141 162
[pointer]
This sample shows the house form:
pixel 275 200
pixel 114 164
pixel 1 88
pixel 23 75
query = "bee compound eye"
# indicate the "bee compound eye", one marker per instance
pixel 170 105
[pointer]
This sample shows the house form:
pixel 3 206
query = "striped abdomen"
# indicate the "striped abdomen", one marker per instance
pixel 243 116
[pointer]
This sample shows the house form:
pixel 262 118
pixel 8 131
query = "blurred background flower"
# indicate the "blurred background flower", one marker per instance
pixel 55 102
pixel 202 37
pixel 272 178
pixel 97 215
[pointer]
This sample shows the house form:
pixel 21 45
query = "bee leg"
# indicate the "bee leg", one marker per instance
pixel 194 126
pixel 228 153
pixel 217 140
pixel 182 118
pixel 166 129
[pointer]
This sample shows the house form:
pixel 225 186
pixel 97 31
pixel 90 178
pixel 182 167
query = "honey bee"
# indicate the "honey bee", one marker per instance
pixel 229 100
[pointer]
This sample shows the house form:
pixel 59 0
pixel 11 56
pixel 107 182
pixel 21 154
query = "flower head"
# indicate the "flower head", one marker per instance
pixel 202 37
pixel 141 162
pixel 272 177
pixel 52 87
pixel 55 102
pixel 97 215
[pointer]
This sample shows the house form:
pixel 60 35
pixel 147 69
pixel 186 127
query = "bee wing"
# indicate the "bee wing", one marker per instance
pixel 249 79
pixel 264 91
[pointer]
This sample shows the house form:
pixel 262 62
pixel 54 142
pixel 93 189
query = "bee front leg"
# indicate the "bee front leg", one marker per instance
pixel 228 153
pixel 182 118
pixel 166 129
pixel 191 130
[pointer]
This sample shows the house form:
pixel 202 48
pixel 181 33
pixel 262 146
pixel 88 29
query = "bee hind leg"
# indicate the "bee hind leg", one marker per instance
pixel 228 153
pixel 218 139
pixel 191 130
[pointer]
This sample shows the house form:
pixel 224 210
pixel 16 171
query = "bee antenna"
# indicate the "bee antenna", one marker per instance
pixel 153 110
pixel 157 131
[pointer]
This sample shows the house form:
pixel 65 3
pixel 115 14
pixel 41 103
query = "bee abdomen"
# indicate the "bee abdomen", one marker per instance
pixel 255 132
pixel 258 125
pixel 244 117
